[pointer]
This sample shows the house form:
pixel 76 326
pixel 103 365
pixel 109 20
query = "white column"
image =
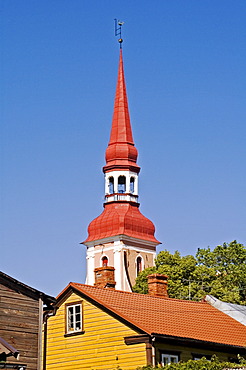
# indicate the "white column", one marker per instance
pixel 118 264
pixel 128 183
pixel 136 184
pixel 90 277
pixel 106 184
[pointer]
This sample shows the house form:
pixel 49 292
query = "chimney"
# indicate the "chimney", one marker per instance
pixel 157 284
pixel 104 277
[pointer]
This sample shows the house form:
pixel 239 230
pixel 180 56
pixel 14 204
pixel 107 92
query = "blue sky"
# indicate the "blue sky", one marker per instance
pixel 185 72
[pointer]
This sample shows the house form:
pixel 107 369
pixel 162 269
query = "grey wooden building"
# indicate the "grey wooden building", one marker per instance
pixel 21 319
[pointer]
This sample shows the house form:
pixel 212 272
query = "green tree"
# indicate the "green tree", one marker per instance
pixel 202 364
pixel 220 272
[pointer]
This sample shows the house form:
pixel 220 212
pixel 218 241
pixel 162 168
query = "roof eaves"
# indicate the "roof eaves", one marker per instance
pixel 25 289
pixel 200 343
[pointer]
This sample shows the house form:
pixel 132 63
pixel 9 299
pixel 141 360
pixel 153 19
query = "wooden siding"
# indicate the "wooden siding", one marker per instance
pixel 100 347
pixel 19 325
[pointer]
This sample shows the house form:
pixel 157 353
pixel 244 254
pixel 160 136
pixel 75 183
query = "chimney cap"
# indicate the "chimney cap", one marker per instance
pixel 157 284
pixel 104 277
pixel 157 276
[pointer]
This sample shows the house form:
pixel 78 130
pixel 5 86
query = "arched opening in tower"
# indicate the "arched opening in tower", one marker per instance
pixel 132 184
pixel 121 184
pixel 105 261
pixel 111 185
pixel 139 265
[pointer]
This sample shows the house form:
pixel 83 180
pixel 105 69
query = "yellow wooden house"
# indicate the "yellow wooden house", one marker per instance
pixel 102 328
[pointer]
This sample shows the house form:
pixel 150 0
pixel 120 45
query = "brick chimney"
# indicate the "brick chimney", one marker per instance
pixel 104 277
pixel 157 284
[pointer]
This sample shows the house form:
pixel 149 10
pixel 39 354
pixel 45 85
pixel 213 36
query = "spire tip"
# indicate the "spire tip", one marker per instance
pixel 117 30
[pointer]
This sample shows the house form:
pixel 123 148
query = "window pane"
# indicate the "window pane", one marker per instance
pixel 70 318
pixel 78 325
pixel 74 318
pixel 168 359
pixel 77 308
pixel 165 361
pixel 70 311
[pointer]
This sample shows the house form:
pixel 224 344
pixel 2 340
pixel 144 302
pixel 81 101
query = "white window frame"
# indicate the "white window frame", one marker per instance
pixel 74 319
pixel 199 356
pixel 168 358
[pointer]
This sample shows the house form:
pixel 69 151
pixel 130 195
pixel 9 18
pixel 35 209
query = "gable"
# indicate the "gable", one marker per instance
pixel 15 294
pixel 102 335
pixel 10 283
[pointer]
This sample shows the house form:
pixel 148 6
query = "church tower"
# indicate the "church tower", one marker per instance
pixel 121 237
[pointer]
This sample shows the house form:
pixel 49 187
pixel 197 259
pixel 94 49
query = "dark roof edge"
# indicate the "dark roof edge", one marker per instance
pixel 25 289
pixel 145 338
pixel 200 343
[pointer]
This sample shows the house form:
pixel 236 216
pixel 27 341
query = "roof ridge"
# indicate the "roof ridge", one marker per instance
pixel 142 294
pixel 33 291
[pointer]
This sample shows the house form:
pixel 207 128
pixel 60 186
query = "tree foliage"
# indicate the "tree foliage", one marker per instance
pixel 220 272
pixel 202 364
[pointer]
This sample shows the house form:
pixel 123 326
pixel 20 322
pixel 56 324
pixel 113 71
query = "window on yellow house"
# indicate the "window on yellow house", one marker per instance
pixel 168 358
pixel 199 356
pixel 74 318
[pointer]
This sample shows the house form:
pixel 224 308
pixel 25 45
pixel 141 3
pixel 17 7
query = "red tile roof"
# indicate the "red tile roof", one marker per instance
pixel 166 316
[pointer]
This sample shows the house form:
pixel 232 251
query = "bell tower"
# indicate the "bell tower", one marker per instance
pixel 121 236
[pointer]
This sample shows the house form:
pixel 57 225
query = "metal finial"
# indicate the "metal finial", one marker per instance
pixel 117 30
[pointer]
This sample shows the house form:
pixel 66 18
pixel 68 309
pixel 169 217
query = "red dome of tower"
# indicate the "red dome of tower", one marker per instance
pixel 121 218
pixel 121 155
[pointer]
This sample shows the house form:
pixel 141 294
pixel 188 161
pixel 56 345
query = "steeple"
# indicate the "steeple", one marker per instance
pixel 121 152
pixel 121 236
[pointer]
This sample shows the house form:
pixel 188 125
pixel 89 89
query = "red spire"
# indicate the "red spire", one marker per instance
pixel 121 215
pixel 121 152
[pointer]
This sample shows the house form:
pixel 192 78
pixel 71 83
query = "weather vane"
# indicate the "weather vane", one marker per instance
pixel 117 30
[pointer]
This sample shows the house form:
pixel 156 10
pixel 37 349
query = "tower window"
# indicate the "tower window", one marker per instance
pixel 121 184
pixel 132 184
pixel 111 185
pixel 139 265
pixel 105 261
